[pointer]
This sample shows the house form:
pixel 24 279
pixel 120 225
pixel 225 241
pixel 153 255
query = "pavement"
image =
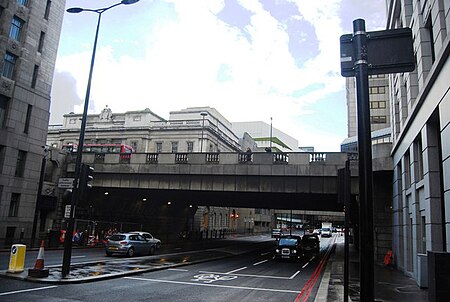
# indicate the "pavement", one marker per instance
pixel 390 284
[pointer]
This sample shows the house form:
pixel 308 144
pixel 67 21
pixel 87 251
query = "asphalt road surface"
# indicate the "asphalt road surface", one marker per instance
pixel 249 277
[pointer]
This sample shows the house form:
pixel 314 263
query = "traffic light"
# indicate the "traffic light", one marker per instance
pixel 67 196
pixel 86 178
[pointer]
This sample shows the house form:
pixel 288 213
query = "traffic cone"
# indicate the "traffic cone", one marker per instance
pixel 39 271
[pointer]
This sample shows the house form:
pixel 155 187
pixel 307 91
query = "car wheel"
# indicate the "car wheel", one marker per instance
pixel 108 254
pixel 130 252
pixel 152 250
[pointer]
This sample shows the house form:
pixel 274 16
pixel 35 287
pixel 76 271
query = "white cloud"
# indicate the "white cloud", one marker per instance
pixel 184 54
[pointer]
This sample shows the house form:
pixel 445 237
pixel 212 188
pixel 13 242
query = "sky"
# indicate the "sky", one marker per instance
pixel 252 60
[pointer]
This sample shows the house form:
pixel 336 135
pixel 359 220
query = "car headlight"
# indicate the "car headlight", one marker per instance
pixel 294 251
pixel 277 251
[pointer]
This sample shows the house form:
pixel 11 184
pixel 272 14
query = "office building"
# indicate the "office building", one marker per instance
pixel 29 32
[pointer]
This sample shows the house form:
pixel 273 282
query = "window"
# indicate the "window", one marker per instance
pixel 14 205
pixel 41 41
pixel 22 2
pixel 174 147
pixel 429 28
pixel 378 119
pixel 20 164
pixel 16 28
pixel 158 147
pixel 35 76
pixel 407 170
pixel 8 65
pixel 3 107
pixel 47 9
pixel 418 158
pixel 27 119
pixel 377 104
pixel 134 145
pixel 377 90
pixel 190 146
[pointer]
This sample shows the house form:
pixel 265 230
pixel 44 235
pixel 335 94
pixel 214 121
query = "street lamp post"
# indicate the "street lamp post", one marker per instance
pixel 270 142
pixel 68 239
pixel 203 114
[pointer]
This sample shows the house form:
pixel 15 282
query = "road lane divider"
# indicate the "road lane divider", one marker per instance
pixel 260 262
pixel 236 270
pixel 27 290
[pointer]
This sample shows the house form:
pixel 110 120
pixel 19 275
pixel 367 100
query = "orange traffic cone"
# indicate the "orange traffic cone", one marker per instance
pixel 39 271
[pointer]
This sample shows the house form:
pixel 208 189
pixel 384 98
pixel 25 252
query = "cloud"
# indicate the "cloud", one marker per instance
pixel 195 55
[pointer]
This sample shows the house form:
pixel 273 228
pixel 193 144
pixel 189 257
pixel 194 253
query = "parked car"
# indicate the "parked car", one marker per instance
pixel 311 243
pixel 149 237
pixel 129 244
pixel 326 232
pixel 276 233
pixel 289 247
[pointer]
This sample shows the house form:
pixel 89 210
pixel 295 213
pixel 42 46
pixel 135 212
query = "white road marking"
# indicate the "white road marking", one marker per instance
pixel 306 264
pixel 248 275
pixel 257 263
pixel 27 290
pixel 215 285
pixel 264 254
pixel 294 275
pixel 312 258
pixel 236 270
pixel 78 256
pixel 178 269
pixel 210 278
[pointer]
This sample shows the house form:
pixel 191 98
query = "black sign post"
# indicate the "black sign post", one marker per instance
pixel 363 54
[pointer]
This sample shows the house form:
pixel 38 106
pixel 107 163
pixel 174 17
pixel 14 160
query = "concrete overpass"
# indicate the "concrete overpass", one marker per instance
pixel 299 181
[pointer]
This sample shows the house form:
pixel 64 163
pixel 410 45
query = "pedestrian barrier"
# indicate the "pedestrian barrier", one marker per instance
pixel 39 270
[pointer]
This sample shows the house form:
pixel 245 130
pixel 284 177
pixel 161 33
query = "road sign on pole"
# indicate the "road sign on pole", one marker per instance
pixel 363 54
pixel 65 183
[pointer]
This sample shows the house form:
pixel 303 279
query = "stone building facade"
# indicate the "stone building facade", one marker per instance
pixel 420 111
pixel 29 33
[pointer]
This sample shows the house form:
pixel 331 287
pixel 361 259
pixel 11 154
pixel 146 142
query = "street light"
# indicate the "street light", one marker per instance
pixel 68 239
pixel 203 114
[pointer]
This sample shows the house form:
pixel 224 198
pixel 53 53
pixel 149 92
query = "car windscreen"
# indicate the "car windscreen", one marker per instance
pixel 287 241
pixel 117 237
pixel 326 230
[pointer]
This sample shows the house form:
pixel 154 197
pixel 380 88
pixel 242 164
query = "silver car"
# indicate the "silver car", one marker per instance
pixel 129 244
pixel 149 237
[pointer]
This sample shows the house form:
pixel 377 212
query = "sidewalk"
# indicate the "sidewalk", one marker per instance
pixel 390 284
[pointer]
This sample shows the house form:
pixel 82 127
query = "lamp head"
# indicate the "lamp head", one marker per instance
pixel 75 10
pixel 126 2
pixel 203 114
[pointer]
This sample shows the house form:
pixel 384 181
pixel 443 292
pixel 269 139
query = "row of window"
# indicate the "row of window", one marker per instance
pixel 377 90
pixel 15 33
pixel 174 147
pixel 378 119
pixel 377 104
pixel 14 203
pixel 3 110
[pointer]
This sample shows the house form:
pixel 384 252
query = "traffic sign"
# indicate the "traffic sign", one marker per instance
pixel 67 211
pixel 65 183
pixel 388 51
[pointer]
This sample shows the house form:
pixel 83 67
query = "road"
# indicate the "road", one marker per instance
pixel 249 277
